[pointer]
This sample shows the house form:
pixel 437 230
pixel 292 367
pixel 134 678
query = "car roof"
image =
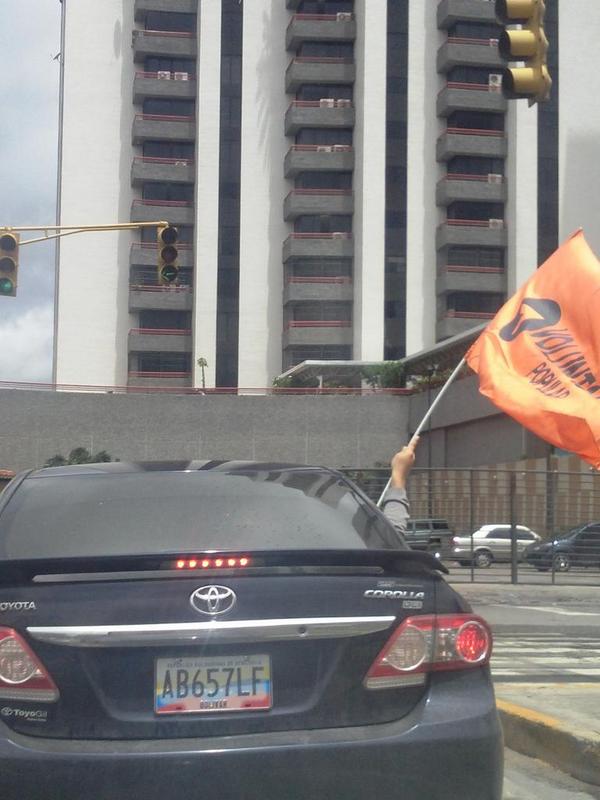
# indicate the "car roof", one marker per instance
pixel 129 467
pixel 491 526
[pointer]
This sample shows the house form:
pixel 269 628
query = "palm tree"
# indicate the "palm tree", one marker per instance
pixel 202 363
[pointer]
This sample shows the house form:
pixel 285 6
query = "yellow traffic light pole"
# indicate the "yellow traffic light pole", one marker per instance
pixel 70 230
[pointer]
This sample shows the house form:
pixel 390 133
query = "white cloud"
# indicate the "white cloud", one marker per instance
pixel 26 353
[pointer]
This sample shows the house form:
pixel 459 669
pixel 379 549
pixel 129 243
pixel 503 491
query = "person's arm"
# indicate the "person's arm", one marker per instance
pixel 395 502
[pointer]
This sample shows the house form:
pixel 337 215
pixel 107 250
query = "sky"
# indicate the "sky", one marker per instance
pixel 29 80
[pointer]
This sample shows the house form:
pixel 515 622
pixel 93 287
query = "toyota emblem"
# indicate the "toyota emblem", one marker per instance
pixel 213 600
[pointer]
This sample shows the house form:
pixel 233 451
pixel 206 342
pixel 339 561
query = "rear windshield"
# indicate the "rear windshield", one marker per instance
pixel 160 512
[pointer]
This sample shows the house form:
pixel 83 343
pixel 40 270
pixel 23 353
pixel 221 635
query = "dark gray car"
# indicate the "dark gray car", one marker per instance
pixel 234 630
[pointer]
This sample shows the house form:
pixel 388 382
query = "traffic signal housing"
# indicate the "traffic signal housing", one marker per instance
pixel 527 44
pixel 168 269
pixel 9 263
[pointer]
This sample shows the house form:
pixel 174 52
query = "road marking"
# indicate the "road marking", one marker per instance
pixel 562 611
pixel 520 657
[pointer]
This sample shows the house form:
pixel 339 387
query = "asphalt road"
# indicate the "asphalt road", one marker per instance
pixel 529 779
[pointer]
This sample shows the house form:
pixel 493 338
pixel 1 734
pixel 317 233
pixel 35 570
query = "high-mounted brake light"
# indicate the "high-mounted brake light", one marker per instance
pixel 212 563
pixel 430 643
pixel 22 675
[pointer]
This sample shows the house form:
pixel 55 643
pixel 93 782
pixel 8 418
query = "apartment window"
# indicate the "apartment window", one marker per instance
pixel 476 257
pixel 297 355
pixel 465 74
pixel 315 223
pixel 322 311
pixel 475 30
pixel 166 320
pixel 325 6
pixel 473 165
pixel 318 91
pixel 326 50
pixel 171 108
pixel 324 136
pixel 164 362
pixel 484 302
pixel 180 192
pixel 475 211
pixel 183 150
pixel 170 21
pixel 228 268
pixel 476 120
pixel 326 269
pixel 324 180
pixel 164 64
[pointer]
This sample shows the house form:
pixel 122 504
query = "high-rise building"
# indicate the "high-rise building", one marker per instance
pixel 347 179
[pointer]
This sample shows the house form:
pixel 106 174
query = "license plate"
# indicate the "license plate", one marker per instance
pixel 212 685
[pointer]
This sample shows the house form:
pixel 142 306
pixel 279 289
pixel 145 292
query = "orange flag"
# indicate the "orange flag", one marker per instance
pixel 539 358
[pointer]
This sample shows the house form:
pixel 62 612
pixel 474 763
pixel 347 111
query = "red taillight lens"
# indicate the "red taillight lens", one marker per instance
pixel 430 643
pixel 22 675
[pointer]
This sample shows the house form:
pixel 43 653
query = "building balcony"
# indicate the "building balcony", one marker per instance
pixel 318 157
pixel 471 279
pixel 461 51
pixel 318 289
pixel 325 113
pixel 160 340
pixel 173 44
pixel 160 298
pixel 318 245
pixel 486 188
pixel 319 332
pixel 303 70
pixel 470 97
pixel 449 12
pixel 145 254
pixel 147 169
pixel 163 127
pixel 318 201
pixel 484 233
pixel 159 380
pixel 141 7
pixel 156 84
pixel 177 212
pixel 456 322
pixel 320 28
pixel 471 142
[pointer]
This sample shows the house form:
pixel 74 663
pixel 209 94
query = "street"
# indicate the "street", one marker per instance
pixel 501 573
pixel 530 779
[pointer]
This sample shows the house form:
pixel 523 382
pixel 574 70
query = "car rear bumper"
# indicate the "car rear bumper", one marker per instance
pixel 449 746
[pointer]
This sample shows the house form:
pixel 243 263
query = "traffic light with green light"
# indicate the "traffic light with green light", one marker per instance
pixel 527 44
pixel 168 269
pixel 9 263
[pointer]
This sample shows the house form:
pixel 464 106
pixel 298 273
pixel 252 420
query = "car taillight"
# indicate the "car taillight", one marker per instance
pixel 427 644
pixel 22 675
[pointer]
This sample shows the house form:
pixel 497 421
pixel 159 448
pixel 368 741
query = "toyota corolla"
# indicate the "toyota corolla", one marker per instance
pixel 231 630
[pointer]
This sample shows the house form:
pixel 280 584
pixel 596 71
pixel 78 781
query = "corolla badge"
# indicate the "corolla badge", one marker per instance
pixel 213 600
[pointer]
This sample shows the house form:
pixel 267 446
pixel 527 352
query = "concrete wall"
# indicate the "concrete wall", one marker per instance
pixel 93 317
pixel 332 430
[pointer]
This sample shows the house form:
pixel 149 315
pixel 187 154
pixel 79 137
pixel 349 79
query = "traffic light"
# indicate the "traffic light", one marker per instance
pixel 168 269
pixel 527 44
pixel 9 263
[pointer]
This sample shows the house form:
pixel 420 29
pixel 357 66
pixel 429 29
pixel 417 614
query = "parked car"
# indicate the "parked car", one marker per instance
pixel 579 547
pixel 431 535
pixel 231 630
pixel 491 543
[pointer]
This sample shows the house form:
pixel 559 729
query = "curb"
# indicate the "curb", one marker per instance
pixel 574 751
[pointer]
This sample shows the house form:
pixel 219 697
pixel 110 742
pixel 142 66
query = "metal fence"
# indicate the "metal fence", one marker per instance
pixel 549 503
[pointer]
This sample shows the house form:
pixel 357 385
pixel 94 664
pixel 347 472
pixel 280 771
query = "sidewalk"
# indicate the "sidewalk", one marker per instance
pixel 558 723
pixel 525 594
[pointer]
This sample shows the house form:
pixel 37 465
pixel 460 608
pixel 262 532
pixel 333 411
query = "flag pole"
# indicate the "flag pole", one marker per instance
pixel 429 412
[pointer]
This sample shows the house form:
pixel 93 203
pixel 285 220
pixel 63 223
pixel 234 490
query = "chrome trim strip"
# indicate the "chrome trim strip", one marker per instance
pixel 248 630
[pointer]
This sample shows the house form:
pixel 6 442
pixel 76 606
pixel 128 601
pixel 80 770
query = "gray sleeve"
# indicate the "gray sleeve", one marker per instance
pixel 395 507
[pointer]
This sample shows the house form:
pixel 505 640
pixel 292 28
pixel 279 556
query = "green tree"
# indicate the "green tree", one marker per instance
pixel 387 375
pixel 79 455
